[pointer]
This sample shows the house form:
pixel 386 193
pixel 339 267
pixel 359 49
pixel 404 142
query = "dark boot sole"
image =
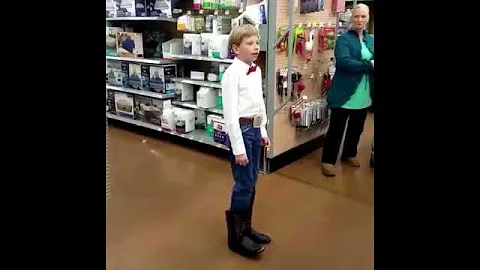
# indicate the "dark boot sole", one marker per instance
pixel 245 253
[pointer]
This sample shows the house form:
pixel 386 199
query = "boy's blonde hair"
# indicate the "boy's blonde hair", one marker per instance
pixel 240 32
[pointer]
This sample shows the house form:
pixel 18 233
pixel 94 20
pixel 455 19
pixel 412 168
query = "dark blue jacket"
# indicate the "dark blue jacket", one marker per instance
pixel 350 68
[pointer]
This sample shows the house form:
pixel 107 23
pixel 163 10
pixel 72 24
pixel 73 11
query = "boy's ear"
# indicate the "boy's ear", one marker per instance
pixel 235 48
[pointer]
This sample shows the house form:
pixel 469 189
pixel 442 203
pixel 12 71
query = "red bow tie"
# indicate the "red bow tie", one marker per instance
pixel 252 69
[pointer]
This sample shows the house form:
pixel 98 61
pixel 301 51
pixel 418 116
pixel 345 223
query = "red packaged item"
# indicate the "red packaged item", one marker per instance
pixel 326 38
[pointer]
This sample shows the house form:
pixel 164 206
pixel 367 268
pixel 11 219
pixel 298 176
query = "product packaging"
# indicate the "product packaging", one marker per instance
pixel 130 44
pixel 124 104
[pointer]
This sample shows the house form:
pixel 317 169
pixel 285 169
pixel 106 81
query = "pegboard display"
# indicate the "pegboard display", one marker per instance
pixel 285 136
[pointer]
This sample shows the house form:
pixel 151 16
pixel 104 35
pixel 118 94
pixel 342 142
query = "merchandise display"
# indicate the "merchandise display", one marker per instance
pixel 207 97
pixel 219 45
pixel 125 73
pixel 115 75
pixel 222 68
pixel 205 41
pixel 197 75
pixel 200 119
pixel 163 7
pixel 210 118
pixel 165 67
pixel 130 44
pixel 145 77
pixel 161 78
pixel 141 9
pixel 168 119
pixel 111 9
pixel 112 39
pixel 135 76
pixel 184 92
pixel 111 101
pixel 192 44
pixel 124 104
pixel 220 131
pixel 184 120
pixel 125 8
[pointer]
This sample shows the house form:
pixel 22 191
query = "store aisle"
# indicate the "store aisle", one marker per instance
pixel 166 211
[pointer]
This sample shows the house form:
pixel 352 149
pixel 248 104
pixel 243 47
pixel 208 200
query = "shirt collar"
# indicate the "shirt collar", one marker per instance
pixel 242 64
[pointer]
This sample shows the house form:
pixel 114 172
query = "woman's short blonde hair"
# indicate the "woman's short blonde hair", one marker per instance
pixel 240 32
pixel 359 6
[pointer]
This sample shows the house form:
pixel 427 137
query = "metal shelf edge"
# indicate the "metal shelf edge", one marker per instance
pixel 190 136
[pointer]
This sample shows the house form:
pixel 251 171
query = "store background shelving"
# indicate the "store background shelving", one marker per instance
pixel 181 60
pixel 281 14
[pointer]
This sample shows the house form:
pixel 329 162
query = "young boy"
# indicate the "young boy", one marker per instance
pixel 245 116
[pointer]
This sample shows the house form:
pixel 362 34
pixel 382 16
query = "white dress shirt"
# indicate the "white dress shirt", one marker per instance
pixel 242 97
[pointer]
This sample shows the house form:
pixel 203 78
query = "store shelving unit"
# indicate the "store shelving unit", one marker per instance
pixel 196 57
pixel 198 82
pixel 283 136
pixel 192 105
pixel 141 60
pixel 140 92
pixel 160 19
pixel 196 135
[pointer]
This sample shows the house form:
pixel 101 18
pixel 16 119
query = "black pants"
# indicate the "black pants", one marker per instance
pixel 333 140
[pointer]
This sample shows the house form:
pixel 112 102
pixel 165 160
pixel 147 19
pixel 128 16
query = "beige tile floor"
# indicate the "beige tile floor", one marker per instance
pixel 166 210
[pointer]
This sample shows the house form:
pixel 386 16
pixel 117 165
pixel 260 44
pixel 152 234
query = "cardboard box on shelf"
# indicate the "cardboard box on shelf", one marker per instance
pixel 124 104
pixel 207 97
pixel 161 78
pixel 184 92
pixel 135 76
pixel 184 120
pixel 125 8
pixel 145 69
pixel 130 44
pixel 111 43
pixel 220 132
pixel 115 75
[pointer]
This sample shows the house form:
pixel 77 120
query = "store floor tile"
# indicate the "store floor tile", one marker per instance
pixel 167 202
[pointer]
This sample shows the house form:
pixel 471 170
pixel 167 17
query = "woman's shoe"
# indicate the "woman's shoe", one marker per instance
pixel 328 169
pixel 352 161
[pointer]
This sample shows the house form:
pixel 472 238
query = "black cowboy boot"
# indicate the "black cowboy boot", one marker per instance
pixel 257 237
pixel 238 241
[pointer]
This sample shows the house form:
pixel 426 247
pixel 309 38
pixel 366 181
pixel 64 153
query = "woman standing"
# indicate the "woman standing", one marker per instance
pixel 352 91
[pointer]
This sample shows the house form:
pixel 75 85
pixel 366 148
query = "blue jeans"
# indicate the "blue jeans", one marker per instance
pixel 246 177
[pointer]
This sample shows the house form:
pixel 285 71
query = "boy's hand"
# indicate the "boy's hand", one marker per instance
pixel 266 142
pixel 241 160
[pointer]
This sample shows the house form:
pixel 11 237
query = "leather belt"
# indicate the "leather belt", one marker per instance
pixel 245 120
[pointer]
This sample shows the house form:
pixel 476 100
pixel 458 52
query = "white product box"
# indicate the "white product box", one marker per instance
pixel 207 97
pixel 184 120
pixel 192 44
pixel 111 9
pixel 206 39
pixel 124 104
pixel 184 92
pixel 168 119
pixel 174 46
pixel 220 46
pixel 125 8
pixel 130 44
pixel 197 75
